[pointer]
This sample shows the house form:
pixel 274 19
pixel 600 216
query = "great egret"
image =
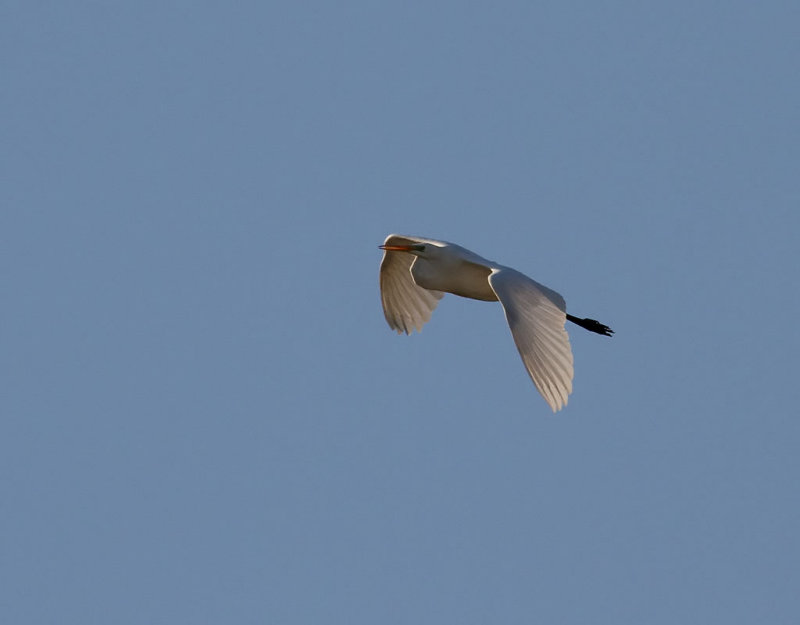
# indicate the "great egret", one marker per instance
pixel 416 273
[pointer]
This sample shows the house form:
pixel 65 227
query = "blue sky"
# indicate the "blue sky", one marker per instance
pixel 205 416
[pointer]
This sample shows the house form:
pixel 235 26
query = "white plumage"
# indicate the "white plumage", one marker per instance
pixel 417 272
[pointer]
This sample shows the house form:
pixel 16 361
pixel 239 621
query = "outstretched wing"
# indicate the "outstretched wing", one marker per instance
pixel 536 316
pixel 405 305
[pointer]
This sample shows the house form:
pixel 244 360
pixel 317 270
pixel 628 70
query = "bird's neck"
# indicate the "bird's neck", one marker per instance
pixel 459 277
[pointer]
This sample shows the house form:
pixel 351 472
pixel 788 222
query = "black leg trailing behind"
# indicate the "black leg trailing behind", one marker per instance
pixel 592 325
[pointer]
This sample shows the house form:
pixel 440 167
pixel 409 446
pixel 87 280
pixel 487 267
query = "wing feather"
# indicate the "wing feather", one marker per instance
pixel 536 317
pixel 406 306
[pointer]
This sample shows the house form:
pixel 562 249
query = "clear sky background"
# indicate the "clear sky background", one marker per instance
pixel 206 419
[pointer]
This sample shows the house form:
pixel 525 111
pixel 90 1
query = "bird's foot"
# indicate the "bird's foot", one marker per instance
pixel 595 326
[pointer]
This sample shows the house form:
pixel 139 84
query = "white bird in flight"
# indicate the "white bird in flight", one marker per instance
pixel 416 273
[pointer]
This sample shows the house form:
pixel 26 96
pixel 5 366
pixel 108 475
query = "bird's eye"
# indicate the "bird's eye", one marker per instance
pixel 419 248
